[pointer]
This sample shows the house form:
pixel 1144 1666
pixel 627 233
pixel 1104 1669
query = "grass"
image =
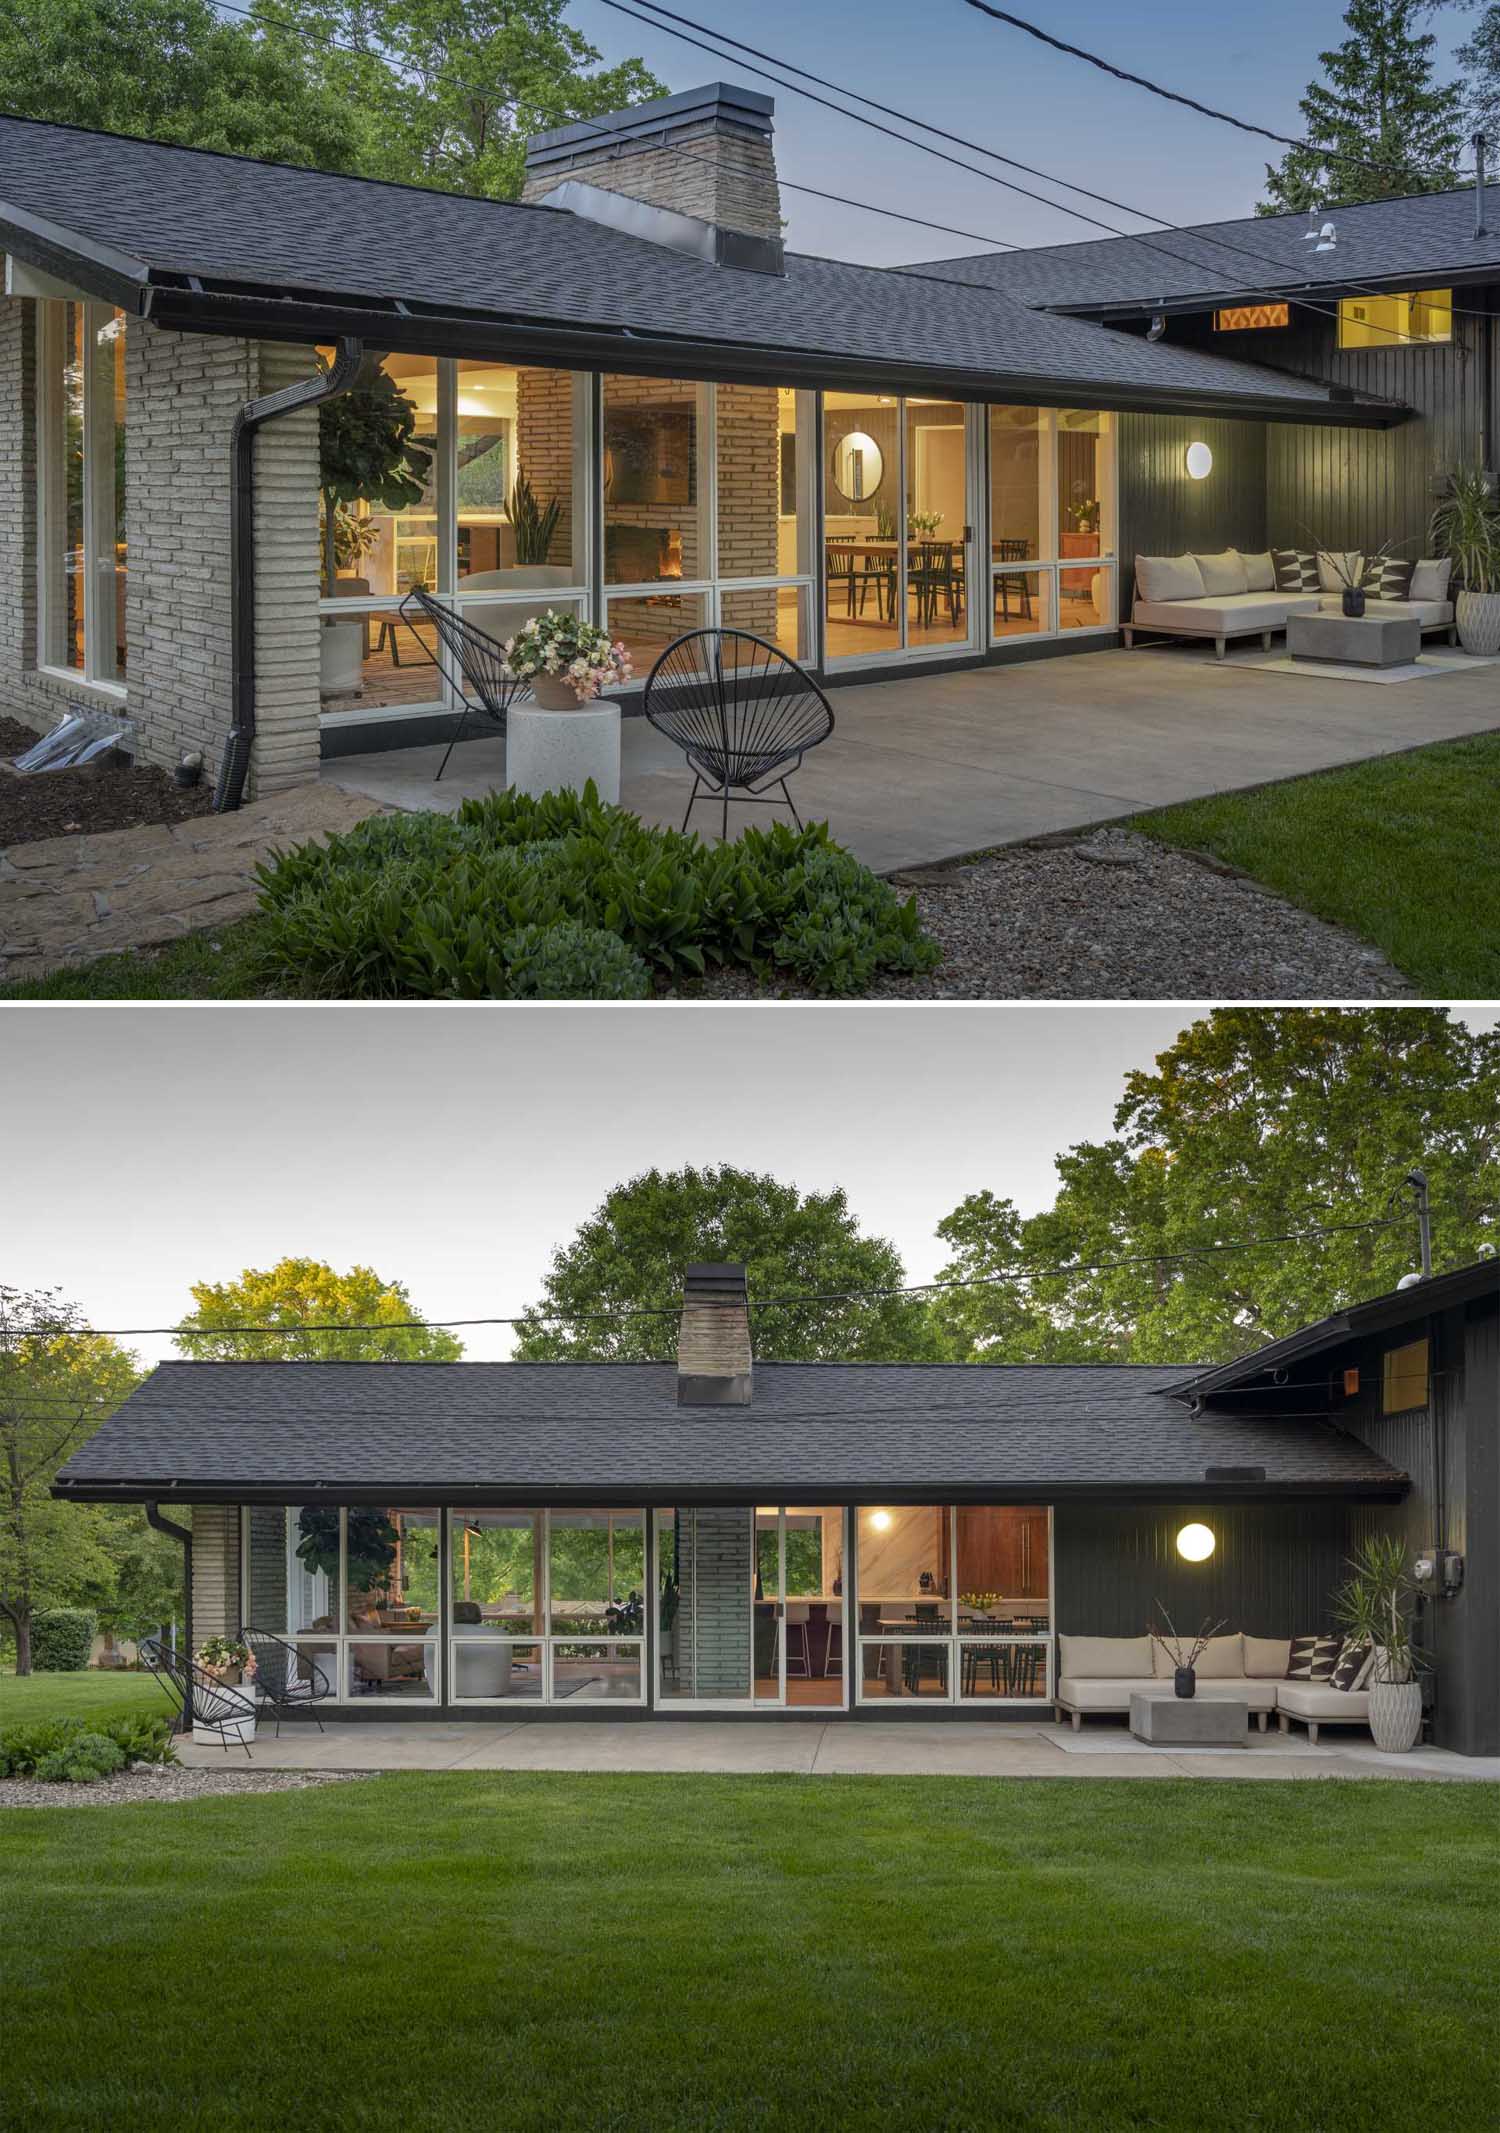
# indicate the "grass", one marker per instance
pixel 1402 850
pixel 217 965
pixel 552 1952
pixel 87 1695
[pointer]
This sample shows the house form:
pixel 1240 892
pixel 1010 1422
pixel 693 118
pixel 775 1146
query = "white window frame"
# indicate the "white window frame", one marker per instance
pixel 952 1639
pixel 545 1637
pixel 1049 565
pixel 99 561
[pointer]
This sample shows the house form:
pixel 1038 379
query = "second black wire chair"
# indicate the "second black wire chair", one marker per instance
pixel 472 664
pixel 741 711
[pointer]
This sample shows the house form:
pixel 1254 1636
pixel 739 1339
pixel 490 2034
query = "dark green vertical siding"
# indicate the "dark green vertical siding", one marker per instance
pixel 1163 511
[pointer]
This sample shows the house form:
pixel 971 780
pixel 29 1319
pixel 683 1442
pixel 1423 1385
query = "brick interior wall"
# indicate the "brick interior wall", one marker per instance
pixel 268 1595
pixel 216 1570
pixel 715 1566
pixel 544 452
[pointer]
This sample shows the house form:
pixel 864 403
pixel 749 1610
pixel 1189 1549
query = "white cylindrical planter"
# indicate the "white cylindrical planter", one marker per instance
pixel 559 751
pixel 238 1728
pixel 1395 1715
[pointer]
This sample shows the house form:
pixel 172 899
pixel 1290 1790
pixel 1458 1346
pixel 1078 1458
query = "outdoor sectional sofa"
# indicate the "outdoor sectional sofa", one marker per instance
pixel 1099 1674
pixel 1235 595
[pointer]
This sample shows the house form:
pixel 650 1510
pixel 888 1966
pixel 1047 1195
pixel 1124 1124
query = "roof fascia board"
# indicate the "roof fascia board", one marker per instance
pixel 112 276
pixel 421 332
pixel 1301 292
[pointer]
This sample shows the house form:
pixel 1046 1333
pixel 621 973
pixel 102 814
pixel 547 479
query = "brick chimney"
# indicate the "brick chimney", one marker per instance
pixel 713 1338
pixel 705 154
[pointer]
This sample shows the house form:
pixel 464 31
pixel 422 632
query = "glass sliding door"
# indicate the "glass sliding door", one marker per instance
pixel 897 537
pixel 1052 521
pixel 749 1606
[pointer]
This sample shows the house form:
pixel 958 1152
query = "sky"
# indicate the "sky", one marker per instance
pixel 943 61
pixel 455 1148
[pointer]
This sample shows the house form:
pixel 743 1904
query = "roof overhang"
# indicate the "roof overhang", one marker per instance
pixel 1287 292
pixel 188 303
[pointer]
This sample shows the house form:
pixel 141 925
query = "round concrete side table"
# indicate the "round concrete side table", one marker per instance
pixel 559 751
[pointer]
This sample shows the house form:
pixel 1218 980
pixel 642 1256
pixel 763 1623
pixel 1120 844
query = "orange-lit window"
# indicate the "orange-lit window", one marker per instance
pixel 1417 315
pixel 1403 1383
pixel 1252 318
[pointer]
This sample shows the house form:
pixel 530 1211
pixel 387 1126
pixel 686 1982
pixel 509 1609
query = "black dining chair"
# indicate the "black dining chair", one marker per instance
pixel 742 713
pixel 1012 583
pixel 472 664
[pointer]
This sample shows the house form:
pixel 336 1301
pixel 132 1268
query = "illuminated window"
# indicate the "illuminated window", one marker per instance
pixel 1404 1378
pixel 1388 321
pixel 1252 318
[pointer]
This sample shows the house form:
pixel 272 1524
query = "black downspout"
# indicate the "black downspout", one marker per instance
pixel 182 1534
pixel 307 392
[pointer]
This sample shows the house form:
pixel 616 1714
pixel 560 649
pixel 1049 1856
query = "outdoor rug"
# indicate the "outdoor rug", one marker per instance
pixel 1444 660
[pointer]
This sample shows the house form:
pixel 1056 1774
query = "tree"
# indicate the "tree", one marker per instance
pixel 57 1385
pixel 301 1294
pixel 367 449
pixel 1380 125
pixel 631 1252
pixel 173 71
pixel 1255 1122
pixel 451 89
pixel 1479 56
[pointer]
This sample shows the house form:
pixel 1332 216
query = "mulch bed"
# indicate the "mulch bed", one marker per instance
pixel 60 803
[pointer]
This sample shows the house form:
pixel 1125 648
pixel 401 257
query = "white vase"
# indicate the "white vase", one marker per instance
pixel 1395 1715
pixel 1478 617
pixel 549 692
pixel 342 658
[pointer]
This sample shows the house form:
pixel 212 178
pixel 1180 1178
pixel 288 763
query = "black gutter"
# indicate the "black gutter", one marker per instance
pixel 590 347
pixel 995 1489
pixel 307 392
pixel 182 1534
pixel 1298 293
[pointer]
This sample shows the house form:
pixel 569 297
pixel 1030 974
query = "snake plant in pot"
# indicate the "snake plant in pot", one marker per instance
pixel 1466 526
pixel 1375 1607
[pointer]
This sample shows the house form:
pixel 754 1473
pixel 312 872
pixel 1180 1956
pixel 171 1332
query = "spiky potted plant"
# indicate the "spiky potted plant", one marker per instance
pixel 1466 526
pixel 534 526
pixel 1375 1607
pixel 367 451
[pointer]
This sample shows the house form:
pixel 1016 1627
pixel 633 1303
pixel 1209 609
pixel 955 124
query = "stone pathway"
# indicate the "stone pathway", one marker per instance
pixel 68 899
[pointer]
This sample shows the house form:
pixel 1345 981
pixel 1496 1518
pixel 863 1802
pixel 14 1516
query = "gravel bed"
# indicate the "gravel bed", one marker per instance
pixel 166 1781
pixel 1113 916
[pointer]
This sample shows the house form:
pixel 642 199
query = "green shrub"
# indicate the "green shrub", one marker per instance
pixel 431 907
pixel 81 1760
pixel 62 1638
pixel 141 1740
pixel 23 1747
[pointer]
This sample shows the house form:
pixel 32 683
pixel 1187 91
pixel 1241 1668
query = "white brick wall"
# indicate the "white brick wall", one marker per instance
pixel 216 1570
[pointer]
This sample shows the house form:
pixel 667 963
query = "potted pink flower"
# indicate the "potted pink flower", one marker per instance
pixel 566 661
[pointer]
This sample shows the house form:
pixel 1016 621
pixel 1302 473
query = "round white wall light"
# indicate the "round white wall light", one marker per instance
pixel 1200 461
pixel 881 1521
pixel 1195 1544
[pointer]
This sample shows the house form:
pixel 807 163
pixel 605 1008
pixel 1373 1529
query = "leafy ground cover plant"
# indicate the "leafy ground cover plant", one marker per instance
pixel 443 907
pixel 82 1760
pixel 58 1748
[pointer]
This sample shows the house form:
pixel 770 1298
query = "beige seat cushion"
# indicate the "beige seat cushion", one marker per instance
pixel 1266 1658
pixel 1221 1659
pixel 1223 573
pixel 1260 573
pixel 1078 1693
pixel 1315 1699
pixel 1432 614
pixel 1168 577
pixel 1232 611
pixel 1105 1658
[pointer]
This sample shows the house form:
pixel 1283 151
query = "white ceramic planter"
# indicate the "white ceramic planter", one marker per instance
pixel 234 1729
pixel 1478 618
pixel 1395 1715
pixel 342 658
pixel 560 750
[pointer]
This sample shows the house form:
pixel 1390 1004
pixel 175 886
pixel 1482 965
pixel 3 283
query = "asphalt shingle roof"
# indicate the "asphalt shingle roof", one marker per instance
pixel 1421 240
pixel 225 219
pixel 813 1429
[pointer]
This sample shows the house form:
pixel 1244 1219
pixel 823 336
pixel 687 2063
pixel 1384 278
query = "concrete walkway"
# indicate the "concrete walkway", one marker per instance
pixel 810 1748
pixel 927 769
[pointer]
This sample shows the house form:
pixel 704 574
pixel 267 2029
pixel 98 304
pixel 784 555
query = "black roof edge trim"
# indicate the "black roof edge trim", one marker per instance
pixel 115 277
pixel 478 1496
pixel 730 362
pixel 1288 292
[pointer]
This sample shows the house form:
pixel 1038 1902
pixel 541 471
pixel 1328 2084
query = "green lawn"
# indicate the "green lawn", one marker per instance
pixel 204 966
pixel 87 1695
pixel 546 1952
pixel 1404 850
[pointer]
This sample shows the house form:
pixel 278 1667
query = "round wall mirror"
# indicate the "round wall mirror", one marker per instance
pixel 857 466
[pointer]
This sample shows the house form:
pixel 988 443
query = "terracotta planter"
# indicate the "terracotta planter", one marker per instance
pixel 1395 1715
pixel 1478 618
pixel 549 692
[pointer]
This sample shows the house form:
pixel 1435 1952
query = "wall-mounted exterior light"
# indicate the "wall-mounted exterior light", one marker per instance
pixel 1195 1544
pixel 1200 461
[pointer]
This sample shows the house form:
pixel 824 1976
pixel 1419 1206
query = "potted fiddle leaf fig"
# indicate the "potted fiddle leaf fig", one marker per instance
pixel 1466 526
pixel 1375 1607
pixel 367 452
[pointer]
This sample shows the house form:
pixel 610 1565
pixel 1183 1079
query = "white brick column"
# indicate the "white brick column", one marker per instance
pixel 216 1570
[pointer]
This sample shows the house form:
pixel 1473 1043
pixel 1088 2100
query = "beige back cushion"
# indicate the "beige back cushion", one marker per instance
pixel 1222 1659
pixel 1429 581
pixel 1260 573
pixel 1223 573
pixel 1168 577
pixel 1105 1658
pixel 1266 1657
pixel 1331 561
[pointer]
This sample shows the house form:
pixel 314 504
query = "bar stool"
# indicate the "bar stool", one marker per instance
pixel 798 1654
pixel 833 1651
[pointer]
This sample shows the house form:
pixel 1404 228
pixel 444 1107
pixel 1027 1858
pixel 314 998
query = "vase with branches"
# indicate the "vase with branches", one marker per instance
pixel 1184 1652
pixel 1466 527
pixel 1354 569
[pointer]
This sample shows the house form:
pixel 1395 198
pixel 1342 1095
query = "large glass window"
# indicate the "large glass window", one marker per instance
pixel 954 1603
pixel 547 1604
pixel 81 467
pixel 1392 321
pixel 391 1597
pixel 1052 504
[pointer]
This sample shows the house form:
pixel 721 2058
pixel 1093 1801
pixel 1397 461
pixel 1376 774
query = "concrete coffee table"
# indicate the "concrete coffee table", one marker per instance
pixel 1170 1721
pixel 1355 640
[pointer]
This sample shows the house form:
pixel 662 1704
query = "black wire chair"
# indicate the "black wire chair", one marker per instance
pixel 203 1699
pixel 744 723
pixel 287 1679
pixel 472 664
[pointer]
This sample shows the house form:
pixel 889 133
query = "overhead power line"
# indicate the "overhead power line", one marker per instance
pixel 1017 1271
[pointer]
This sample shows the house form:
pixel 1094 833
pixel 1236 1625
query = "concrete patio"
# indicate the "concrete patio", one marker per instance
pixel 811 1748
pixel 930 768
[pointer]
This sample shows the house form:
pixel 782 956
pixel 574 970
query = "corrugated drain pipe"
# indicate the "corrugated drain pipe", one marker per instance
pixel 308 392
pixel 184 1535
